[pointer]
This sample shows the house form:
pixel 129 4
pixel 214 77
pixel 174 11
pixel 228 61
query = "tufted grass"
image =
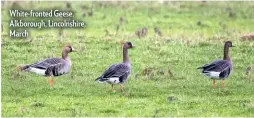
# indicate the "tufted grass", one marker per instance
pixel 183 47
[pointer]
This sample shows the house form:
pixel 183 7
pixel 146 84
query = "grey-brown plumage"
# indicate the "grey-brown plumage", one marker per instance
pixel 52 66
pixel 219 69
pixel 118 73
pixel 49 67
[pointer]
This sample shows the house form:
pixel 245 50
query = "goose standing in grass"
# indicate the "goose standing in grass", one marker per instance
pixel 118 73
pixel 219 69
pixel 52 66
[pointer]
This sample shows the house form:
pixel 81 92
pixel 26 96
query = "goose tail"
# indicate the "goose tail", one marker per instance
pixel 204 66
pixel 100 80
pixel 200 68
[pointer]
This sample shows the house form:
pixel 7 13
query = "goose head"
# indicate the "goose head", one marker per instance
pixel 68 49
pixel 128 45
pixel 229 44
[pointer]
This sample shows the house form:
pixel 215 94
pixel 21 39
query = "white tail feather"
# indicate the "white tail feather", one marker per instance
pixel 36 70
pixel 212 74
pixel 113 80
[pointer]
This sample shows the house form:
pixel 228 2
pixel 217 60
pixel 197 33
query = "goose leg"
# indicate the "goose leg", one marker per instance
pixel 51 81
pixel 124 93
pixel 222 83
pixel 213 83
pixel 121 87
pixel 113 88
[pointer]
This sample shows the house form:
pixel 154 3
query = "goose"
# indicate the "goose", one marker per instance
pixel 118 73
pixel 52 66
pixel 219 69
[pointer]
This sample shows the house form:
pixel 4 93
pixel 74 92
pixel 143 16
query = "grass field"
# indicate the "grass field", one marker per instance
pixel 193 33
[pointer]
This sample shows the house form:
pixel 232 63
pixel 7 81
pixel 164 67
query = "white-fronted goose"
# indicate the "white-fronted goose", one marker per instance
pixel 118 73
pixel 219 69
pixel 52 66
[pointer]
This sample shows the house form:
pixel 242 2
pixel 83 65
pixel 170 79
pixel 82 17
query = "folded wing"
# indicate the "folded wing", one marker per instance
pixel 50 66
pixel 217 69
pixel 120 71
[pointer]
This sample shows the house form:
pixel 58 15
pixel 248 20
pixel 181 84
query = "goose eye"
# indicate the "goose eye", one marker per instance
pixel 129 44
pixel 70 47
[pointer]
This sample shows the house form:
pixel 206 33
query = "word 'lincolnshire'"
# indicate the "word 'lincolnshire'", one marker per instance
pixel 50 24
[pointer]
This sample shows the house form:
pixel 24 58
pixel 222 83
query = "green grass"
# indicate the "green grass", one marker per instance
pixel 184 46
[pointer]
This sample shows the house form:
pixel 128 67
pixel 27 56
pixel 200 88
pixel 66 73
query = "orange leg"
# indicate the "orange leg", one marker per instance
pixel 214 83
pixel 51 82
pixel 222 83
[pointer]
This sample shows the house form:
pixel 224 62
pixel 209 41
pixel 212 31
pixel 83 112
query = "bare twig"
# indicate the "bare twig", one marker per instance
pixel 156 112
pixel 247 72
pixel 170 72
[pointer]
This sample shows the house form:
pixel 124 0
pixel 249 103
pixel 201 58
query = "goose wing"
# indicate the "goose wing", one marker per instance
pixel 50 66
pixel 120 71
pixel 57 69
pixel 116 70
pixel 218 68
pixel 47 63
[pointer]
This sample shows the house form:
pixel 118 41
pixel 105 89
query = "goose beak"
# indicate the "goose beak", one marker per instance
pixel 73 50
pixel 232 46
pixel 133 46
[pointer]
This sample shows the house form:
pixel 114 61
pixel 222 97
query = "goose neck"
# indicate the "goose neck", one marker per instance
pixel 125 55
pixel 64 55
pixel 226 53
